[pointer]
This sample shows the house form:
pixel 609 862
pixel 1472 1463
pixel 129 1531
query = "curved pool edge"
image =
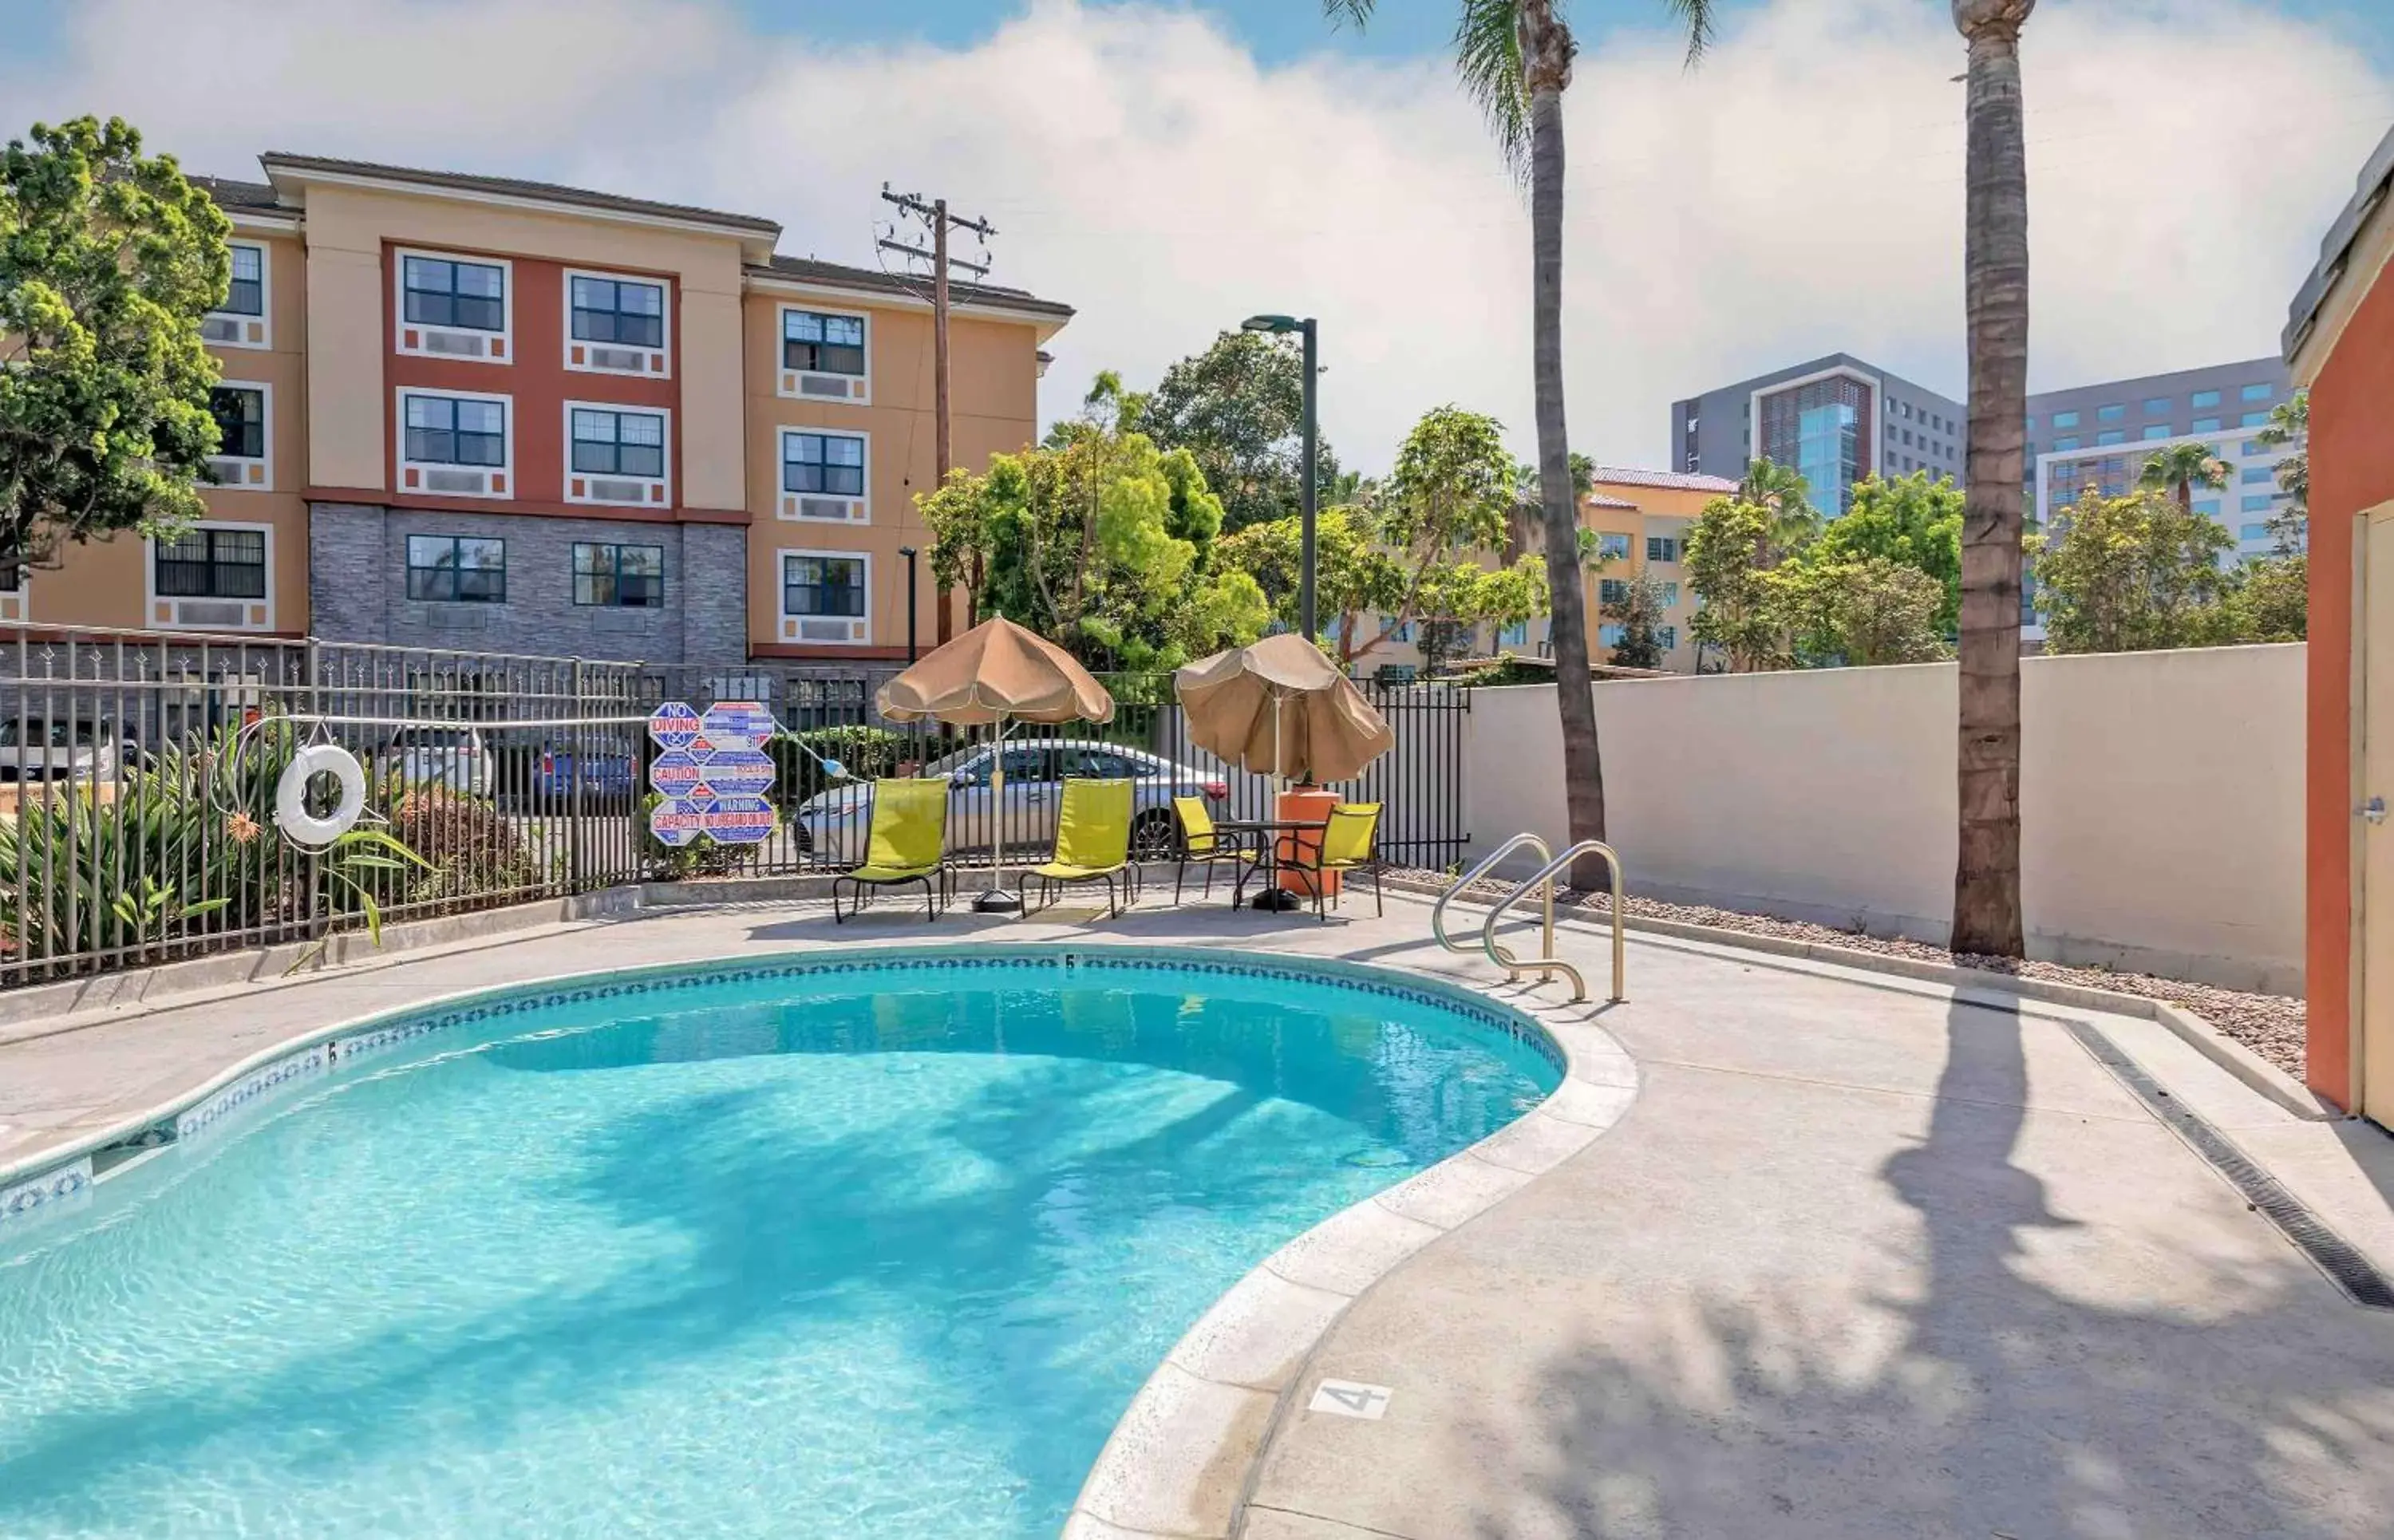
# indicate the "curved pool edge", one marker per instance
pixel 1182 1458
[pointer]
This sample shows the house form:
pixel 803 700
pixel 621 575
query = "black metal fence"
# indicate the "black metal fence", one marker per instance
pixel 139 773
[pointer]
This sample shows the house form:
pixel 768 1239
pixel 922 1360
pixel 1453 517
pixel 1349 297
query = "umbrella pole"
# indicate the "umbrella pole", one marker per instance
pixel 998 901
pixel 1275 897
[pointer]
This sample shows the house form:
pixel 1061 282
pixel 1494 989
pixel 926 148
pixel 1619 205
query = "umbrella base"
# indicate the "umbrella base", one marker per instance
pixel 998 901
pixel 1276 898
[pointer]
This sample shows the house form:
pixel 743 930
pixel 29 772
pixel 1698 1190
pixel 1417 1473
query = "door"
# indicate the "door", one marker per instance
pixel 2373 1076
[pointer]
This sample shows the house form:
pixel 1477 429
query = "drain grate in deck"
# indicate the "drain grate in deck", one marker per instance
pixel 2344 1264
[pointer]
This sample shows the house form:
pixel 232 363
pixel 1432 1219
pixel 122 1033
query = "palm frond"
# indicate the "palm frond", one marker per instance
pixel 1488 60
pixel 1699 15
pixel 1343 11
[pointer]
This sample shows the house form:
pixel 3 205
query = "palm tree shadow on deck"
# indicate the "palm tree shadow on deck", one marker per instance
pixel 1976 1401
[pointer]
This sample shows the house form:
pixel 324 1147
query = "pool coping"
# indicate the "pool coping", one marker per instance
pixel 1180 1459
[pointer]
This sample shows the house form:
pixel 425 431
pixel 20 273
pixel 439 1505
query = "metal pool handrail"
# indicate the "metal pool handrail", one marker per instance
pixel 1437 910
pixel 1550 963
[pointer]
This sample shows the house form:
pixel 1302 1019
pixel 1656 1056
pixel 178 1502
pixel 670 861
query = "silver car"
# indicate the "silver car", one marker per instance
pixel 835 823
pixel 39 749
pixel 452 757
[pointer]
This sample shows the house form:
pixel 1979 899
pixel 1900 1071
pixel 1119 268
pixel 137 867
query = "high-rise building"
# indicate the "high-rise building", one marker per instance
pixel 1838 420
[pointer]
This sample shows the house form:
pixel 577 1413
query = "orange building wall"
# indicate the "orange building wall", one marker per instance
pixel 2352 470
pixel 993 383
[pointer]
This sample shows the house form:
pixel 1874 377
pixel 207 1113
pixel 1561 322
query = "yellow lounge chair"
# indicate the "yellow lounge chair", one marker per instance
pixel 907 843
pixel 1202 845
pixel 1350 842
pixel 1092 841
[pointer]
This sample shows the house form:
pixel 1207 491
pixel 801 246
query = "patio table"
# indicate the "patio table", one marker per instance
pixel 1275 829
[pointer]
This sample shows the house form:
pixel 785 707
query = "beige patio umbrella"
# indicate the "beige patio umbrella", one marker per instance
pixel 1281 708
pixel 996 673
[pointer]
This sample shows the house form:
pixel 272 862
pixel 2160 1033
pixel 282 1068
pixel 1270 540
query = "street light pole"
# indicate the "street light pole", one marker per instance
pixel 908 552
pixel 1306 494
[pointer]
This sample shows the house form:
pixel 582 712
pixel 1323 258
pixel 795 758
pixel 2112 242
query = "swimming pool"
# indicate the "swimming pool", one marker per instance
pixel 854 1247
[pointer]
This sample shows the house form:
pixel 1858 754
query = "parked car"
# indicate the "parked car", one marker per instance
pixel 605 778
pixel 35 748
pixel 452 757
pixel 835 823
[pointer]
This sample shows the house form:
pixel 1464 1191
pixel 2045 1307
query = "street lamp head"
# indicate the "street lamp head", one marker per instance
pixel 906 551
pixel 1270 323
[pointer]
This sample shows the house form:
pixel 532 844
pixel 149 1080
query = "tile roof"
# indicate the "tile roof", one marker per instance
pixel 806 269
pixel 1679 480
pixel 512 187
pixel 1598 500
pixel 229 193
pixel 2370 191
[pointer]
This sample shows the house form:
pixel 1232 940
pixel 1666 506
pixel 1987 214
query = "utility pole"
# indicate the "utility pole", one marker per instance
pixel 934 262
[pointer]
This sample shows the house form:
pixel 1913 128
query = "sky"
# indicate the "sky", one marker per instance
pixel 1169 168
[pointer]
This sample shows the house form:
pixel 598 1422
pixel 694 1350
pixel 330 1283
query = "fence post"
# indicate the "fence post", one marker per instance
pixel 580 740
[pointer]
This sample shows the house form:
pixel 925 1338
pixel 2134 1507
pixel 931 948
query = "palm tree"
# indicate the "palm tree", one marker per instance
pixel 1515 60
pixel 1986 871
pixel 2180 469
pixel 1783 490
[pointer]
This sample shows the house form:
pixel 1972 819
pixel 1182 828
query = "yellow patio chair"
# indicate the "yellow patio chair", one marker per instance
pixel 1092 842
pixel 1350 842
pixel 907 843
pixel 1202 845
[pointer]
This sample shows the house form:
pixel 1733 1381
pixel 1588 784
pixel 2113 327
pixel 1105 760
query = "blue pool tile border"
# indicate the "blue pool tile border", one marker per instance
pixel 392 1030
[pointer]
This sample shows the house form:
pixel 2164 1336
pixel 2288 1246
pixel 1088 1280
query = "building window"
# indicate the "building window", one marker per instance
pixel 2111 413
pixel 1611 633
pixel 1667 636
pixel 212 563
pixel 2254 532
pixel 448 430
pixel 1611 590
pixel 1662 548
pixel 2202 399
pixel 627 577
pixel 1515 634
pixel 619 443
pixel 2207 425
pixel 2255 446
pixel 1670 596
pixel 441 291
pixel 2254 419
pixel 1907 410
pixel 456 569
pixel 1612 548
pixel 2257 392
pixel 2030 424
pixel 2157 431
pixel 2207 507
pixel 619 310
pixel 822 344
pixel 1906 434
pixel 2111 436
pixel 2066 442
pixel 247 295
pixel 823 585
pixel 2257 504
pixel 239 412
pixel 830 464
pixel 2065 419
pixel 2157 406
pixel 2259 476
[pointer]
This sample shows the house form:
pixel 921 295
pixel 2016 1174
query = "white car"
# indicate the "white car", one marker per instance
pixel 38 749
pixel 834 824
pixel 452 757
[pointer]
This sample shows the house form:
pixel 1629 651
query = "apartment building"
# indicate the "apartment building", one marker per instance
pixel 473 412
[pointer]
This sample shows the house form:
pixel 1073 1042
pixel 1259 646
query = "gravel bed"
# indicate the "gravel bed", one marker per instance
pixel 2271 1025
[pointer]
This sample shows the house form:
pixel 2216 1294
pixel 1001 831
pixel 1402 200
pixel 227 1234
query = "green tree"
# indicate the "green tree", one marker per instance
pixel 1239 409
pixel 1739 612
pixel 1994 285
pixel 1781 489
pixel 2179 469
pixel 108 260
pixel 1352 574
pixel 1860 613
pixel 1097 539
pixel 1638 610
pixel 1515 60
pixel 2290 424
pixel 2271 601
pixel 2123 574
pixel 1913 521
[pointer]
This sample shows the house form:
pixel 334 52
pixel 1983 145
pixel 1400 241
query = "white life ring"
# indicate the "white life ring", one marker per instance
pixel 291 794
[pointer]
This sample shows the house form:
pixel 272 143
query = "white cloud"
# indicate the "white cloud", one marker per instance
pixel 1798 193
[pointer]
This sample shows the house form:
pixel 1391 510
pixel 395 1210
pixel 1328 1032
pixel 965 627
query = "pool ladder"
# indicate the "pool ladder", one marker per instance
pixel 1550 866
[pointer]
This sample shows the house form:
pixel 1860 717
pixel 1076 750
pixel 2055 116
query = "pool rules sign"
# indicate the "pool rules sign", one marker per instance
pixel 712 772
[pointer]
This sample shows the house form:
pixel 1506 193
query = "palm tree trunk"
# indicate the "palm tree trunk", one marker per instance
pixel 1574 697
pixel 1987 874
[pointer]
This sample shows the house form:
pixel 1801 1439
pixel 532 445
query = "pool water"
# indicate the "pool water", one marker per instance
pixel 880 1253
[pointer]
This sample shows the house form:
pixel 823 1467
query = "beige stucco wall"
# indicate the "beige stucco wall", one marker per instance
pixel 2161 799
pixel 346 399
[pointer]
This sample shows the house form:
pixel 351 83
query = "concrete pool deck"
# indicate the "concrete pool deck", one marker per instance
pixel 1863 1259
